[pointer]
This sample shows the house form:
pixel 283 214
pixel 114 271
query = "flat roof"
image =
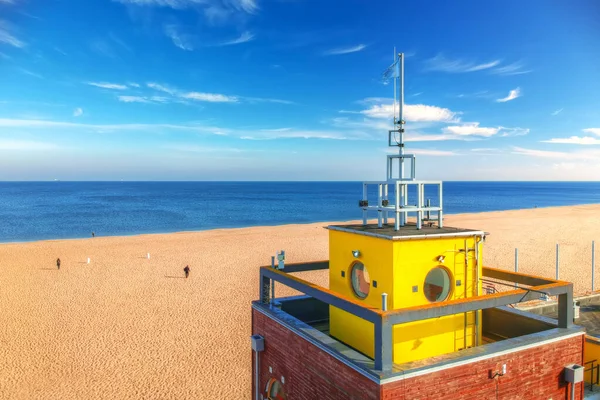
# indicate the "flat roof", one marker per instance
pixel 409 231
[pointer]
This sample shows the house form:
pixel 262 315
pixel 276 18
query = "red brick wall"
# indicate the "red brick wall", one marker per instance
pixel 308 371
pixel 536 373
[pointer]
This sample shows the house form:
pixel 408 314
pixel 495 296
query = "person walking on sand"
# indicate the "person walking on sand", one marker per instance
pixel 93 234
pixel 186 270
pixel 58 263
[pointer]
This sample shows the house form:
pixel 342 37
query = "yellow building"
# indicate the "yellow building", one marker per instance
pixel 410 267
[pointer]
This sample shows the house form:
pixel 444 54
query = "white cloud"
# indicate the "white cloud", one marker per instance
pixel 574 140
pixel 210 97
pixel 595 131
pixel 266 100
pixel 471 129
pixel 345 50
pixel 106 128
pixel 557 111
pixel 162 88
pixel 513 94
pixel 244 38
pixel 211 8
pixel 574 155
pixel 106 85
pixel 585 140
pixel 432 152
pixel 441 63
pixel 412 112
pixel 25 145
pixel 133 99
pixel 133 84
pixel 511 69
pixel 180 40
pixel 78 112
pixel 7 37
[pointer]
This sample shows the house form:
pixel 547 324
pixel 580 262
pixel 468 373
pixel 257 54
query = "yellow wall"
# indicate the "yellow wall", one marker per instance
pixel 375 255
pixel 591 351
pixel 397 266
pixel 413 260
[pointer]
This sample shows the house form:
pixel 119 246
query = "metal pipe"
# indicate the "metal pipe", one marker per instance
pixel 379 194
pixel 477 243
pixel 428 212
pixel 401 113
pixel 557 261
pixel 516 264
pixel 256 376
pixel 572 390
pixel 384 303
pixel 385 197
pixel 593 263
pixel 364 198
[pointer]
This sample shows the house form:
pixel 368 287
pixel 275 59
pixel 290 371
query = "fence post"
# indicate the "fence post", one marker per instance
pixel 516 264
pixel 593 263
pixel 557 261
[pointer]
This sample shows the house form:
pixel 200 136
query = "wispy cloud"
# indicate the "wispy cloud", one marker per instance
pixel 78 112
pixel 473 129
pixel 574 140
pixel 441 63
pixel 412 112
pixel 107 128
pixel 25 145
pixel 106 85
pixel 573 155
pixel 557 111
pixel 511 69
pixel 244 38
pixel 162 88
pixel 133 99
pixel 267 100
pixel 581 140
pixel 513 94
pixel 30 73
pixel 427 152
pixel 345 50
pixel 180 40
pixel 245 5
pixel 595 131
pixel 133 84
pixel 7 37
pixel 210 97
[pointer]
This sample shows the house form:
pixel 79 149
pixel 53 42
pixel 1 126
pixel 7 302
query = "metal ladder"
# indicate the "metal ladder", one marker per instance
pixel 469 283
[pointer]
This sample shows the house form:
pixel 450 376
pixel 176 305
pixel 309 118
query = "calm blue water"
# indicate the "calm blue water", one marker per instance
pixel 53 210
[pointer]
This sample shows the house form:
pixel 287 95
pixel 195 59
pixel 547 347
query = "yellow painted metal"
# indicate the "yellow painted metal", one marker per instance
pixel 399 269
pixel 591 352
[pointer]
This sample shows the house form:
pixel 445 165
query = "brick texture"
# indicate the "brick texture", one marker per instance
pixel 310 373
pixel 536 373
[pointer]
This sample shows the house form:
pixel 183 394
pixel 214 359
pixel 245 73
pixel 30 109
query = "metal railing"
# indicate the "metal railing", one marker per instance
pixel 384 321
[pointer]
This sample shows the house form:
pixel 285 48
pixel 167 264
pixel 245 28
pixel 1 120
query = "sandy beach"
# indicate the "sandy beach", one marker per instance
pixel 128 327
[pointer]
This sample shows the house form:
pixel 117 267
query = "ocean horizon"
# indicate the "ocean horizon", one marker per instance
pixel 31 211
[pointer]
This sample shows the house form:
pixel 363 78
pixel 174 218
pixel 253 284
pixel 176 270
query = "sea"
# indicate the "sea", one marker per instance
pixel 62 210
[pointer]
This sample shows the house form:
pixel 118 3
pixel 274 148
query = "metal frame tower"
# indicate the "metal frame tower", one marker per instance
pixel 401 207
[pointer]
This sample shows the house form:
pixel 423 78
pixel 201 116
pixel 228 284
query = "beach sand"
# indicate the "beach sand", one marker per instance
pixel 127 327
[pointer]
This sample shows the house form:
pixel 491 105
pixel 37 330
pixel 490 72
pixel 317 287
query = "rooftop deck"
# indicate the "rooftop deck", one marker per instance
pixel 504 329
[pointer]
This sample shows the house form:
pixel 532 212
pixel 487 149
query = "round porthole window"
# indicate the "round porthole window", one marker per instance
pixel 275 390
pixel 361 283
pixel 437 285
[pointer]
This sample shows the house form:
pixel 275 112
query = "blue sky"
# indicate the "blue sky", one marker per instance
pixel 292 89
